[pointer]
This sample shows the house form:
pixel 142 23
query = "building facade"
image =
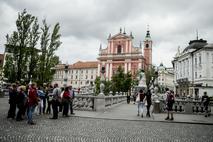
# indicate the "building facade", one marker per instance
pixel 193 68
pixel 79 74
pixel 121 52
pixel 165 78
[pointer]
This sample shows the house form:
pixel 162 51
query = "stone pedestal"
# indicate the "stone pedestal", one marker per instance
pixel 99 102
pixel 188 108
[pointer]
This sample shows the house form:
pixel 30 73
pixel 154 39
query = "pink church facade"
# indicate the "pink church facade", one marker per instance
pixel 121 52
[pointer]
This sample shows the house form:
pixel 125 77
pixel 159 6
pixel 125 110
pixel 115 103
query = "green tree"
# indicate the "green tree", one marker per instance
pixel 18 42
pixel 107 86
pixel 121 82
pixel 25 59
pixel 48 59
pixel 97 85
pixel 9 69
pixel 33 52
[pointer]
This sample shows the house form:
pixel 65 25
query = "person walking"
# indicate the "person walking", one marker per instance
pixel 169 103
pixel 56 101
pixel 148 102
pixel 72 96
pixel 205 101
pixel 65 101
pixel 12 101
pixel 32 103
pixel 140 101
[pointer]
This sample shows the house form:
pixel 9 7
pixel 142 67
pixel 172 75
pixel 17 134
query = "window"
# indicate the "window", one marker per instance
pixel 195 61
pixel 119 49
pixel 71 77
pixel 82 72
pixel 76 71
pixel 76 77
pixel 86 76
pixel 86 71
pixel 200 60
pixel 147 45
pixel 81 82
pixel 91 76
pixel 76 82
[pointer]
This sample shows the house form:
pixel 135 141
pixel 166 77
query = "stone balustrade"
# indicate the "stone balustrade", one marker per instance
pixel 89 102
pixel 186 106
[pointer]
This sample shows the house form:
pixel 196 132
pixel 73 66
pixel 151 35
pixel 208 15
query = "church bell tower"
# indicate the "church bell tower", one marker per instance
pixel 148 48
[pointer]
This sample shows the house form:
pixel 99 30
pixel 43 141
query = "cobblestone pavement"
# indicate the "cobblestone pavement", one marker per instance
pixel 79 129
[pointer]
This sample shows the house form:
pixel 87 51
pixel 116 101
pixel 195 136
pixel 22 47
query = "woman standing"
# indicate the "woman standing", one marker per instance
pixel 140 101
pixel 65 101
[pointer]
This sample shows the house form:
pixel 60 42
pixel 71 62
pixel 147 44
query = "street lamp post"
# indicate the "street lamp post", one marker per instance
pixel 102 80
pixel 65 76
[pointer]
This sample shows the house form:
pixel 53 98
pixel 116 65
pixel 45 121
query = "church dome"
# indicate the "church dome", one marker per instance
pixel 195 44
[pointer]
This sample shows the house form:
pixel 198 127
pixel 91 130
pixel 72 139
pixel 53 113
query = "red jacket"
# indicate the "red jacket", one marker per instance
pixel 33 97
pixel 66 94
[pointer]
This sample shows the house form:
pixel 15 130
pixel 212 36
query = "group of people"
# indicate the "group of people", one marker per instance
pixel 145 99
pixel 28 98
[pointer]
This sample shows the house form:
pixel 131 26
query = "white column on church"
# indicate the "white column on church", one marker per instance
pixel 140 65
pixel 130 48
pixel 99 68
pixel 125 67
pixel 129 69
pixel 110 71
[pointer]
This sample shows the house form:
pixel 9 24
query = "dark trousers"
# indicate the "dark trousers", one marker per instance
pixel 148 110
pixel 71 108
pixel 55 108
pixel 12 111
pixel 66 107
pixel 49 107
pixel 20 111
pixel 44 105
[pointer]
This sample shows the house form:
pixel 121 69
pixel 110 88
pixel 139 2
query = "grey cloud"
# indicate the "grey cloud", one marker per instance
pixel 172 22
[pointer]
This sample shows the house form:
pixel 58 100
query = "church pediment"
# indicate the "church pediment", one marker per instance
pixel 119 36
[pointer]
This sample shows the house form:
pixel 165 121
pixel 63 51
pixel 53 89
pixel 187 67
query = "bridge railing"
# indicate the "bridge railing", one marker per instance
pixel 89 102
pixel 186 106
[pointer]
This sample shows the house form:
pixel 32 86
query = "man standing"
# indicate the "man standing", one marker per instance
pixel 32 103
pixel 72 96
pixel 56 101
pixel 205 101
pixel 12 101
pixel 169 103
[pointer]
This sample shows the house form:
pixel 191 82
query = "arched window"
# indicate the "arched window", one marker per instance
pixel 119 49
pixel 147 45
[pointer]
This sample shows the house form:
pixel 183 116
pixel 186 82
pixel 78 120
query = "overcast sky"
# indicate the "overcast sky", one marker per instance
pixel 87 23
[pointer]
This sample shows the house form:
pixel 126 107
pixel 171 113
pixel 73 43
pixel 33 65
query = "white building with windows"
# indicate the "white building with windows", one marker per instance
pixel 165 78
pixel 193 69
pixel 79 74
